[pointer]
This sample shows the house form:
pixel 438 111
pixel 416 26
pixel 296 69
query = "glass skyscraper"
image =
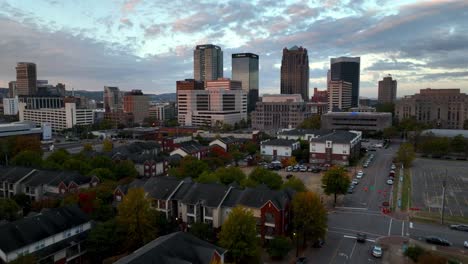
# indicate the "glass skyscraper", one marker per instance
pixel 295 72
pixel 245 69
pixel 207 62
pixel 347 69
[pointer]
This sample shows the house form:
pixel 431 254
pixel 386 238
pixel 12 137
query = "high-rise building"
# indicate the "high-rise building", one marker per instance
pixel 26 78
pixel 10 106
pixel 320 96
pixel 207 62
pixel 347 69
pixel 12 89
pixel 113 101
pixel 295 72
pixel 339 95
pixel 245 69
pixel 137 103
pixel 387 90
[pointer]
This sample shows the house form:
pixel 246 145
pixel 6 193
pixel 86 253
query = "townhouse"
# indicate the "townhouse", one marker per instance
pixel 225 143
pixel 190 148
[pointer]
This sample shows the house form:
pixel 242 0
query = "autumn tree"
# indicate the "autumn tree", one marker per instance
pixel 88 147
pixel 264 176
pixel 312 122
pixel 295 184
pixel 335 181
pixel 309 216
pixel 406 154
pixel 107 145
pixel 239 235
pixel 23 143
pixel 28 158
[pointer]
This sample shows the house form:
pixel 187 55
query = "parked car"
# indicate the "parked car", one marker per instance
pixel 393 167
pixel 315 169
pixel 390 182
pixel 459 227
pixel 289 168
pixel 359 174
pixel 355 182
pixel 350 190
pixel 438 241
pixel 361 237
pixel 377 251
pixel 465 244
pixel 303 169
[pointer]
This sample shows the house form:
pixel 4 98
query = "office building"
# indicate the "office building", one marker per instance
pixel 222 102
pixel 162 111
pixel 113 101
pixel 440 108
pixel 26 77
pixel 207 62
pixel 295 72
pixel 245 69
pixel 279 111
pixel 339 95
pixel 360 121
pixel 12 89
pixel 347 69
pixel 59 118
pixel 362 109
pixel 10 106
pixel 137 103
pixel 387 90
pixel 37 102
pixel 320 96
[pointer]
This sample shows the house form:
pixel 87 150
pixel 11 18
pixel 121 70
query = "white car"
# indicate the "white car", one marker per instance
pixel 393 167
pixel 355 182
pixel 377 251
pixel 390 182
pixel 359 174
pixel 465 244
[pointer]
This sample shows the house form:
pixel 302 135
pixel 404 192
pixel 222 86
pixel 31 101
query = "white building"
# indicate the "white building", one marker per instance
pixel 338 147
pixel 10 106
pixel 339 95
pixel 59 118
pixel 278 149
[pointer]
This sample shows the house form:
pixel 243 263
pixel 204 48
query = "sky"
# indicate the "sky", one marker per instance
pixel 148 44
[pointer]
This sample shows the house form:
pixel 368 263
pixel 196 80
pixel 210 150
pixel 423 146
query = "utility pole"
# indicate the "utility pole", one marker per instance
pixel 444 183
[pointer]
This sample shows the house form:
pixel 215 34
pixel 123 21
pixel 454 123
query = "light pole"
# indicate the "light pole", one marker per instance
pixel 297 244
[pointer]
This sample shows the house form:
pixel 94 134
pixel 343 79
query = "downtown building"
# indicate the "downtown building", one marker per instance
pixel 26 79
pixel 339 95
pixel 295 72
pixel 347 69
pixel 137 103
pixel 387 90
pixel 207 62
pixel 245 69
pixel 222 102
pixel 162 111
pixel 440 108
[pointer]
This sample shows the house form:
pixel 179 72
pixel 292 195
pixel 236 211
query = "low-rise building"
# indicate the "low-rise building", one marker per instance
pixel 362 109
pixel 366 121
pixel 146 155
pixel 21 129
pixel 191 148
pixel 277 149
pixel 10 106
pixel 168 144
pixel 301 134
pixel 225 143
pixel 338 147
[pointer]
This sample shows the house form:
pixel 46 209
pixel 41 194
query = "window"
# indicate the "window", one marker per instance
pixel 269 218
pixel 118 198
pixel 190 209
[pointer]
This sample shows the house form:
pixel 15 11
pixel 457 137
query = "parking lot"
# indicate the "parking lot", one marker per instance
pixel 427 178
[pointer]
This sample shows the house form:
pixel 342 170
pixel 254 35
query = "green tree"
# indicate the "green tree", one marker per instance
pixel 189 167
pixel 102 162
pixel 58 157
pixel 202 230
pixel 135 214
pixel 208 177
pixel 23 201
pixel 264 176
pixel 125 168
pixel 28 158
pixel 103 174
pixel 312 122
pixel 107 145
pixel 459 144
pixel 229 175
pixel 106 239
pixel 77 165
pixel 250 147
pixel 239 235
pixel 88 147
pixel 406 154
pixel 390 132
pixel 279 247
pixel 295 184
pixel 9 209
pixel 235 154
pixel 335 181
pixel 309 216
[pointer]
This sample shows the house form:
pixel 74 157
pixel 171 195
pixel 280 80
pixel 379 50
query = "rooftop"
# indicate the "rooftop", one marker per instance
pixel 447 132
pixel 337 137
pixel 279 142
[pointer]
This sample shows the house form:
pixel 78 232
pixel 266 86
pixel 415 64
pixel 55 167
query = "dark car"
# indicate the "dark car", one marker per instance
pixel 318 243
pixel 437 241
pixel 361 238
pixel 289 176
pixel 301 260
pixel 315 169
pixel 350 190
pixel 459 227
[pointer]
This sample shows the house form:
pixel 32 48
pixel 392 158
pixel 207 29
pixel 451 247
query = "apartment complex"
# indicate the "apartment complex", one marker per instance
pixel 337 147
pixel 295 72
pixel 207 62
pixel 441 108
pixel 26 78
pixel 137 103
pixel 339 95
pixel 387 90
pixel 360 121
pixel 347 69
pixel 245 69
pixel 280 111
pixel 222 102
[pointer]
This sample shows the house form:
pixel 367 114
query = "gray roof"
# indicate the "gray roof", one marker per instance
pixel 447 132
pixel 28 230
pixel 337 137
pixel 258 196
pixel 209 194
pixel 13 174
pixel 161 187
pixel 229 140
pixel 302 132
pixel 137 151
pixel 279 142
pixel 175 248
pixel 192 147
pixel 54 178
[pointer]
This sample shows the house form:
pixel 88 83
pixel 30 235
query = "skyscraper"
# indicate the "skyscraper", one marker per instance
pixel 113 101
pixel 137 103
pixel 12 89
pixel 347 69
pixel 26 78
pixel 387 90
pixel 295 72
pixel 245 69
pixel 339 95
pixel 207 62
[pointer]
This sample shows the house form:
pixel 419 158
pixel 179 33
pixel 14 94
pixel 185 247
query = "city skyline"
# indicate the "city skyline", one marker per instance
pixel 139 45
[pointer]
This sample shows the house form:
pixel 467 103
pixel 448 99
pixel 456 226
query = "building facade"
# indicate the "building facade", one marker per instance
pixel 339 95
pixel 245 69
pixel 137 103
pixel 440 108
pixel 12 89
pixel 113 101
pixel 295 72
pixel 360 121
pixel 207 62
pixel 387 90
pixel 10 106
pixel 338 147
pixel 277 149
pixel 26 78
pixel 162 111
pixel 320 96
pixel 347 69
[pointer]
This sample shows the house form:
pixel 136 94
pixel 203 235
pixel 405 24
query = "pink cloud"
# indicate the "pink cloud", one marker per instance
pixel 129 5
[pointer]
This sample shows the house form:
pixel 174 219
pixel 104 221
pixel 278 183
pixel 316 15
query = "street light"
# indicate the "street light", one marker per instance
pixel 297 243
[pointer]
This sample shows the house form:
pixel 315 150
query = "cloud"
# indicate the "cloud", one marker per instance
pixel 125 23
pixel 129 5
pixel 387 65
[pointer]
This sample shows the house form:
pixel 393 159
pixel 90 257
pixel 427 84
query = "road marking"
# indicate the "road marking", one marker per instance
pixel 390 226
pixel 352 250
pixel 403 228
pixel 336 251
pixel 347 231
pixel 346 236
pixel 352 208
pixel 353 237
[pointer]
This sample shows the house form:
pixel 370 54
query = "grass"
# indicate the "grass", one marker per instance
pixel 430 217
pixel 406 190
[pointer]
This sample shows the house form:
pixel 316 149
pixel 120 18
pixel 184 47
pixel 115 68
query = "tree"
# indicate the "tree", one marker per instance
pixel 295 184
pixel 414 252
pixel 135 214
pixel 431 258
pixel 279 247
pixel 250 147
pixel 77 165
pixel 264 176
pixel 406 154
pixel 23 201
pixel 107 145
pixel 309 216
pixel 459 144
pixel 312 122
pixel 208 177
pixel 390 132
pixel 189 167
pixel 28 158
pixel 291 161
pixel 106 239
pixel 236 154
pixel 229 175
pixel 335 181
pixel 9 209
pixel 23 143
pixel 125 168
pixel 58 158
pixel 102 162
pixel 202 230
pixel 239 235
pixel 87 147
pixel 103 174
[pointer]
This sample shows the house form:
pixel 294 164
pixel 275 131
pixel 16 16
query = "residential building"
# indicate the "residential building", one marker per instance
pixel 12 92
pixel 387 90
pixel 26 77
pixel 10 106
pixel 113 101
pixel 55 235
pixel 301 134
pixel 339 95
pixel 245 69
pixel 338 147
pixel 207 62
pixel 362 109
pixel 168 143
pixel 10 180
pixel 222 102
pixel 137 103
pixel 162 111
pixel 178 247
pixel 440 108
pixel 225 143
pixel 22 129
pixel 295 72
pixel 320 96
pixel 190 148
pixel 58 118
pixel 146 155
pixel 361 121
pixel 347 69
pixel 279 111
pixel 277 149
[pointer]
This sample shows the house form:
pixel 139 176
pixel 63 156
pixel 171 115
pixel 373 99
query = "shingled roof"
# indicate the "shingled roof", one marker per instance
pixel 54 178
pixel 209 194
pixel 337 137
pixel 13 174
pixel 258 196
pixel 279 142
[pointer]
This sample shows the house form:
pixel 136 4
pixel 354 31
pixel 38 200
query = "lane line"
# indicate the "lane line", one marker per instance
pixel 352 250
pixel 336 252
pixel 352 231
pixel 390 226
pixel 403 228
